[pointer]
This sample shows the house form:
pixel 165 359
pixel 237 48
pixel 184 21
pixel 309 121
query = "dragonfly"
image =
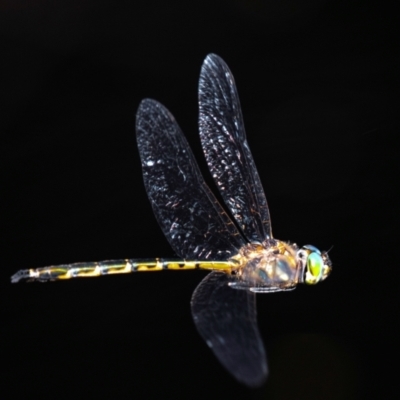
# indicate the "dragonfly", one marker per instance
pixel 235 243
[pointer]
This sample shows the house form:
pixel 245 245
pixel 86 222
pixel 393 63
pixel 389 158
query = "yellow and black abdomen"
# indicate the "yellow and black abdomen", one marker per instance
pixel 93 269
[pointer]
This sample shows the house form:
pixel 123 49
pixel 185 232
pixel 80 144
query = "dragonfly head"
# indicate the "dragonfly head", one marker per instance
pixel 316 265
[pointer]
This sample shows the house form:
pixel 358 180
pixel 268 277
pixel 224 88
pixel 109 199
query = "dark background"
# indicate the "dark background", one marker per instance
pixel 319 84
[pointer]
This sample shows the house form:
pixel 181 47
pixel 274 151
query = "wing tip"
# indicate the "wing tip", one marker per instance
pixel 212 60
pixel 212 56
pixel 147 102
pixel 148 107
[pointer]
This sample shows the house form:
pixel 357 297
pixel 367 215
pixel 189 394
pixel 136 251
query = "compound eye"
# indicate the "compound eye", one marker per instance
pixel 312 248
pixel 315 267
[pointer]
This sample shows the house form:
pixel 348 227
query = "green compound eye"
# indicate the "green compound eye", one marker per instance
pixel 315 266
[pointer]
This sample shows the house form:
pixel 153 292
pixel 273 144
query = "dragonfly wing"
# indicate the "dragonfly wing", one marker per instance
pixel 226 319
pixel 191 218
pixel 227 152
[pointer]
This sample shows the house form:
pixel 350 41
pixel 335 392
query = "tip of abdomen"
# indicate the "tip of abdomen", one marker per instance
pixel 22 274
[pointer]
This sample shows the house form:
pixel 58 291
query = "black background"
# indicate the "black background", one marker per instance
pixel 318 82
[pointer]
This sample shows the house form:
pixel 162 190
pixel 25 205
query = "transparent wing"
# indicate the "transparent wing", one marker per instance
pixel 227 152
pixel 226 319
pixel 189 215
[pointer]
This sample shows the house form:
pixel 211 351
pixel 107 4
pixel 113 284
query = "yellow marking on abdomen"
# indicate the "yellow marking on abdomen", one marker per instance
pixel 217 265
pixel 151 265
pixel 178 265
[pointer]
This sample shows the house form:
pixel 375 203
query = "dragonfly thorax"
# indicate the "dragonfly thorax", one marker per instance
pixel 268 267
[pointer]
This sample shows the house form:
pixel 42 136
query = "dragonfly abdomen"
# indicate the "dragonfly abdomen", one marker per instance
pixel 110 267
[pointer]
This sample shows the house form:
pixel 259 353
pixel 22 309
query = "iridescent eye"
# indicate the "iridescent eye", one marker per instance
pixel 312 248
pixel 315 265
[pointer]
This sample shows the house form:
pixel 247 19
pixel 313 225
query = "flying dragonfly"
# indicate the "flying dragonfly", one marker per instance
pixel 238 248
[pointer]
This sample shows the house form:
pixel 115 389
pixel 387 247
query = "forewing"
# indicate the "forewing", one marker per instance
pixel 227 151
pixel 226 319
pixel 192 220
